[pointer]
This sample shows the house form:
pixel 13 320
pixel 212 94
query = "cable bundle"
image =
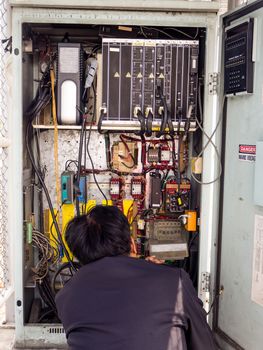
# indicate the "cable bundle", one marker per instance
pixel 46 253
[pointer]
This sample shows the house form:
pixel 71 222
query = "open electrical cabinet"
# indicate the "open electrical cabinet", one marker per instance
pixel 115 106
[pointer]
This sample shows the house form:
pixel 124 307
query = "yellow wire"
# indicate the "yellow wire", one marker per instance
pixel 54 114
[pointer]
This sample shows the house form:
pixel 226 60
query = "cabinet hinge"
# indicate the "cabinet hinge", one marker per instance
pixel 213 83
pixel 205 282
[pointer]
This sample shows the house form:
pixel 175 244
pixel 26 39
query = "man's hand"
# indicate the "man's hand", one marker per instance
pixel 154 260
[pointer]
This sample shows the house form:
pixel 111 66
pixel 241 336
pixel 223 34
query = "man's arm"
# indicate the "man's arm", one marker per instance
pixel 198 334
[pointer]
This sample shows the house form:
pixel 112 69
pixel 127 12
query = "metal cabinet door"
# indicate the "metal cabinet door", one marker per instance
pixel 238 320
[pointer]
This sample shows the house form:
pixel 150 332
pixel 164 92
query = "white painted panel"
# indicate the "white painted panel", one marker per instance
pixel 258 184
pixel 239 317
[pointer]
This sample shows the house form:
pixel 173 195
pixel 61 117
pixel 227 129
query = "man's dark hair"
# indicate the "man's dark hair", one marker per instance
pixel 104 231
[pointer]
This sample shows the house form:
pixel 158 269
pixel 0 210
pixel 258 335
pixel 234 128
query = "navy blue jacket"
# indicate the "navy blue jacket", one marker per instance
pixel 122 303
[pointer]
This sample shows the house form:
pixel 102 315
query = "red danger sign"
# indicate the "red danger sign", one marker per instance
pixel 247 149
pixel 247 153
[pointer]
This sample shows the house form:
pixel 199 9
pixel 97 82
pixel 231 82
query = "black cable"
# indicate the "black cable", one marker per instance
pixel 200 99
pixel 90 159
pixel 129 154
pixel 45 314
pixel 164 114
pixel 179 161
pixel 160 31
pixel 169 122
pixel 164 179
pixel 129 166
pixel 48 292
pixel 187 122
pixel 85 137
pixel 41 100
pixel 70 161
pixel 141 120
pixel 39 191
pixel 83 127
pixel 30 153
pixel 43 92
pixel 85 166
pixel 41 210
pixel 94 177
pixel 167 119
pixel 184 33
pixel 213 302
pixel 51 226
pixel 102 116
pixel 108 152
pixel 84 95
pixel 43 296
pixel 38 150
pixel 94 101
pixel 44 95
pixel 149 123
pixel 191 241
pixel 59 271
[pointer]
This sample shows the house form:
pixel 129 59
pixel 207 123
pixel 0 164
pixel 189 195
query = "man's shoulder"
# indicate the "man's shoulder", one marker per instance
pixel 123 267
pixel 123 263
pixel 162 268
pixel 162 271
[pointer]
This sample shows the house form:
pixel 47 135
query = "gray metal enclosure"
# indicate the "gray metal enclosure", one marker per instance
pixel 172 13
pixel 240 309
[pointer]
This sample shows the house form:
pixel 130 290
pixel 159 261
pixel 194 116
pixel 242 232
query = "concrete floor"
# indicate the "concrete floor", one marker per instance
pixel 7 334
pixel 6 338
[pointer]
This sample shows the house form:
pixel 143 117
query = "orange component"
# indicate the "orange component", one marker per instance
pixel 191 220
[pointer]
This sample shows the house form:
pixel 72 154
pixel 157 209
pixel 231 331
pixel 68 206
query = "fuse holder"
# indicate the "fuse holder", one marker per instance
pixel 191 220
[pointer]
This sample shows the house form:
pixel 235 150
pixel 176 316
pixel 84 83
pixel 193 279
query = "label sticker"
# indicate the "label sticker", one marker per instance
pixel 257 277
pixel 247 153
pixel 161 248
pixel 114 49
pixel 69 59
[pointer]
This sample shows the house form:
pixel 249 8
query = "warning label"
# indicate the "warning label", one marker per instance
pixel 247 153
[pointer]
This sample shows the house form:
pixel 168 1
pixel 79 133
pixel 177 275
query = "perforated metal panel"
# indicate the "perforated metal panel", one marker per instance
pixel 68 146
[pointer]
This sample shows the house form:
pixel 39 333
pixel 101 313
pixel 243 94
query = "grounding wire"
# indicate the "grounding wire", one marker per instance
pixel 209 141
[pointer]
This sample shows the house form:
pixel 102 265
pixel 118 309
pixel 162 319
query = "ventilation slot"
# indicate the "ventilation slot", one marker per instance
pixel 56 330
